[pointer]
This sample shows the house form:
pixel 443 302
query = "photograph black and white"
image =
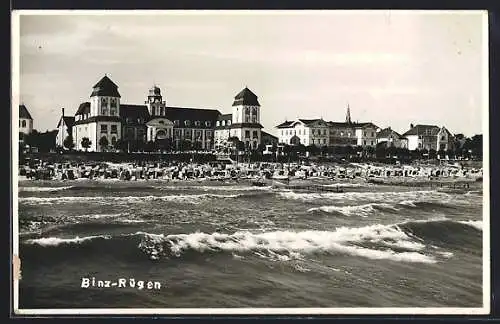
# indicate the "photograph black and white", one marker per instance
pixel 234 162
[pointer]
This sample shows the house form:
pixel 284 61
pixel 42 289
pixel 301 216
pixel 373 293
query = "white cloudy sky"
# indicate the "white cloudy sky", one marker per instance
pixel 393 68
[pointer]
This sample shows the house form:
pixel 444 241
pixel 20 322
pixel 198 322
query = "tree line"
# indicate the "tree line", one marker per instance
pixel 468 148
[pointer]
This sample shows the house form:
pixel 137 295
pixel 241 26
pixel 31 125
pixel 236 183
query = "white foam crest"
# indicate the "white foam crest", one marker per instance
pixel 359 210
pixel 410 203
pixel 369 195
pixel 42 189
pixel 217 188
pixel 98 216
pixel 474 223
pixel 343 184
pixel 55 241
pixel 290 244
pixel 193 199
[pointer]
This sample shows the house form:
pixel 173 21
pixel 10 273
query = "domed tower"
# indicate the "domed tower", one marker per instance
pixel 156 105
pixel 246 118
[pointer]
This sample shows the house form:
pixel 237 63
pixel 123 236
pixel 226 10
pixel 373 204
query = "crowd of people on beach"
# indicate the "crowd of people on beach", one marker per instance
pixel 223 170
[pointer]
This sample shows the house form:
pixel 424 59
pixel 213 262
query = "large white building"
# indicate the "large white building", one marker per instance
pixel 322 133
pixel 104 116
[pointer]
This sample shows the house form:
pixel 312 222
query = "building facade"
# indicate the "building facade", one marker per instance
pixel 104 120
pixel 322 133
pixel 304 131
pixel 429 137
pixel 389 137
pixel 243 123
pixel 25 122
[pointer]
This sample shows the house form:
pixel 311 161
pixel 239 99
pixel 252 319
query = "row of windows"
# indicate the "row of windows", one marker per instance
pixel 223 123
pixel 196 123
pixel 255 134
pixel 104 129
pixel 113 111
pixel 22 123
pixel 113 102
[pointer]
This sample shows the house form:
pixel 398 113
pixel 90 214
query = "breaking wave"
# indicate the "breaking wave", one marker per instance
pixel 415 241
pixel 42 189
pixel 360 210
pixel 192 199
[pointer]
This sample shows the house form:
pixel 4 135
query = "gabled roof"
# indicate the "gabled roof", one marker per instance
pixel 133 113
pixel 105 87
pixel 285 124
pixel 69 121
pixel 262 133
pixel 311 122
pixel 24 113
pixel 423 130
pixel 192 114
pixel 84 108
pixel 386 132
pixel 246 97
pixel 363 125
pixel 225 117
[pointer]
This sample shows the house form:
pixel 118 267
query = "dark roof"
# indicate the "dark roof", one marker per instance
pixel 84 108
pixel 262 133
pixel 99 118
pixel 422 129
pixel 192 114
pixel 386 132
pixel 285 124
pixel 105 87
pixel 246 97
pixel 225 117
pixel 134 113
pixel 24 113
pixel 308 122
pixel 249 125
pixel 68 121
pixel 363 125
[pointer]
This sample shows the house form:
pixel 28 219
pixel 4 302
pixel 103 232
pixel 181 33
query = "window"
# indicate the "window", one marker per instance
pixel 197 123
pixel 104 128
pixel 341 133
pixel 162 111
pixel 208 134
pixel 112 111
pixel 442 138
pixel 365 134
pixel 198 134
pixel 373 134
pixel 208 123
pixel 324 131
pixel 187 133
pixel 255 135
pixel 161 122
pixel 176 122
pixel 24 123
pixel 364 142
pixel 228 122
pixel 218 123
pixel 114 129
pixel 104 101
pixel 324 141
pixel 187 123
pixel 104 110
pixel 247 134
pixel 113 103
pixel 113 141
pixel 282 132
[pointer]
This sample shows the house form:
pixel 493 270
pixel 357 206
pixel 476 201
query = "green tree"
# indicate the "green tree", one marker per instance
pixel 86 143
pixel 68 143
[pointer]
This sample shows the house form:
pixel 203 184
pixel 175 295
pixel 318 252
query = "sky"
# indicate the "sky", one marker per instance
pixel 392 68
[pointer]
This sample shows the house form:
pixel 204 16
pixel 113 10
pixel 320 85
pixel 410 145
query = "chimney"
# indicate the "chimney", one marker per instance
pixel 62 111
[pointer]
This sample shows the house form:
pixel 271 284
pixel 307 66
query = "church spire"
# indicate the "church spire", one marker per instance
pixel 348 115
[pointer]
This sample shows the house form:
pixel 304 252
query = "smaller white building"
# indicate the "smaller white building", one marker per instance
pixel 304 131
pixel 64 129
pixel 25 122
pixel 391 138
